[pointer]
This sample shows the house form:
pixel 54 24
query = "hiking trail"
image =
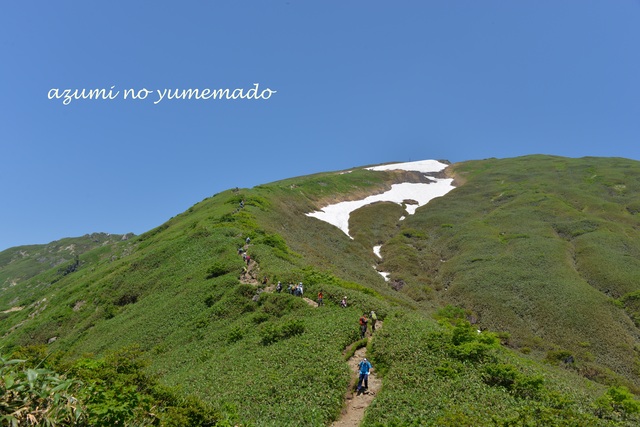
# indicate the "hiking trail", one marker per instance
pixel 353 412
pixel 249 276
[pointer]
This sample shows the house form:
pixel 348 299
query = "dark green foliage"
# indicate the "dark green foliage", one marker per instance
pixel 272 333
pixel 557 356
pixel 463 333
pixel 235 334
pixel 451 313
pixel 191 412
pixel 218 269
pixel 276 242
pixel 280 304
pixel 618 404
pixel 508 376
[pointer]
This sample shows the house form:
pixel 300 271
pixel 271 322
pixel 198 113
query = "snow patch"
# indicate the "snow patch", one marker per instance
pixel 376 250
pixel 338 214
pixel 384 274
pixel 424 166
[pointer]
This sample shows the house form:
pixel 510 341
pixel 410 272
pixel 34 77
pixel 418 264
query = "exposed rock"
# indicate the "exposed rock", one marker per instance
pixel 397 284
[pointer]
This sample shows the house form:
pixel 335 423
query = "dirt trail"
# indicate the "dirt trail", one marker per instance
pixel 249 273
pixel 353 412
pixel 249 276
pixel 311 302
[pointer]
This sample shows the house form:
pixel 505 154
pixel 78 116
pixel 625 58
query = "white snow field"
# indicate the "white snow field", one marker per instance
pixel 338 214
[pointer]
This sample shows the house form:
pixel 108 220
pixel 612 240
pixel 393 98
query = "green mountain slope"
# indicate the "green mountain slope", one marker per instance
pixel 545 248
pixel 541 249
pixel 21 263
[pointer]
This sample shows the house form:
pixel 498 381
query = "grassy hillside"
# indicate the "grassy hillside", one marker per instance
pixel 21 263
pixel 545 248
pixel 541 247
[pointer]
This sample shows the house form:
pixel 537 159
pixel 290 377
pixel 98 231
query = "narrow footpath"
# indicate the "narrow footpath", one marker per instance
pixel 355 404
pixel 353 412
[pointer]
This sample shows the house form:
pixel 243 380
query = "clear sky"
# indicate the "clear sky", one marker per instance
pixel 357 83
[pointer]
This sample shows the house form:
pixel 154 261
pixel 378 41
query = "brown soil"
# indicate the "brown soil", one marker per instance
pixel 356 404
pixel 312 303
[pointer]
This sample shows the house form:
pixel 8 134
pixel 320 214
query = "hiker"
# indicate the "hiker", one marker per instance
pixel 320 299
pixel 364 368
pixel 374 319
pixel 363 325
pixel 290 289
pixel 343 303
pixel 300 289
pixel 240 251
pixel 279 287
pixel 248 259
pixel 248 240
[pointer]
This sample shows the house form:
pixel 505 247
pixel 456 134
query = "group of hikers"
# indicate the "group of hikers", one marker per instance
pixel 292 288
pixel 245 255
pixel 364 367
pixel 364 322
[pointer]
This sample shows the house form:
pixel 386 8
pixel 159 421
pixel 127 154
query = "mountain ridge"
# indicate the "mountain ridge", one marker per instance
pixel 488 255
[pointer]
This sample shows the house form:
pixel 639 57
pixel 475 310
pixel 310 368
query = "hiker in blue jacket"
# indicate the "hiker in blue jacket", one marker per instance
pixel 363 381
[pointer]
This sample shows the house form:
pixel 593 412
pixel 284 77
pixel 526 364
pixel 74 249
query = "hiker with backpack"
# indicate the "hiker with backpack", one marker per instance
pixel 279 287
pixel 374 319
pixel 364 368
pixel 320 301
pixel 363 325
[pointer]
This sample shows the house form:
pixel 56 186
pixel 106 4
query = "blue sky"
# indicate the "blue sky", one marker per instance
pixel 357 83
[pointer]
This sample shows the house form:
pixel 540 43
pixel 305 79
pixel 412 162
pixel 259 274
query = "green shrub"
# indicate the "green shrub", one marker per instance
pixel 617 400
pixel 500 375
pixel 259 317
pixel 473 351
pixel 463 333
pixel 557 356
pixel 219 268
pixel 235 334
pixel 292 328
pixel 528 387
pixel 271 333
pixel 451 313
